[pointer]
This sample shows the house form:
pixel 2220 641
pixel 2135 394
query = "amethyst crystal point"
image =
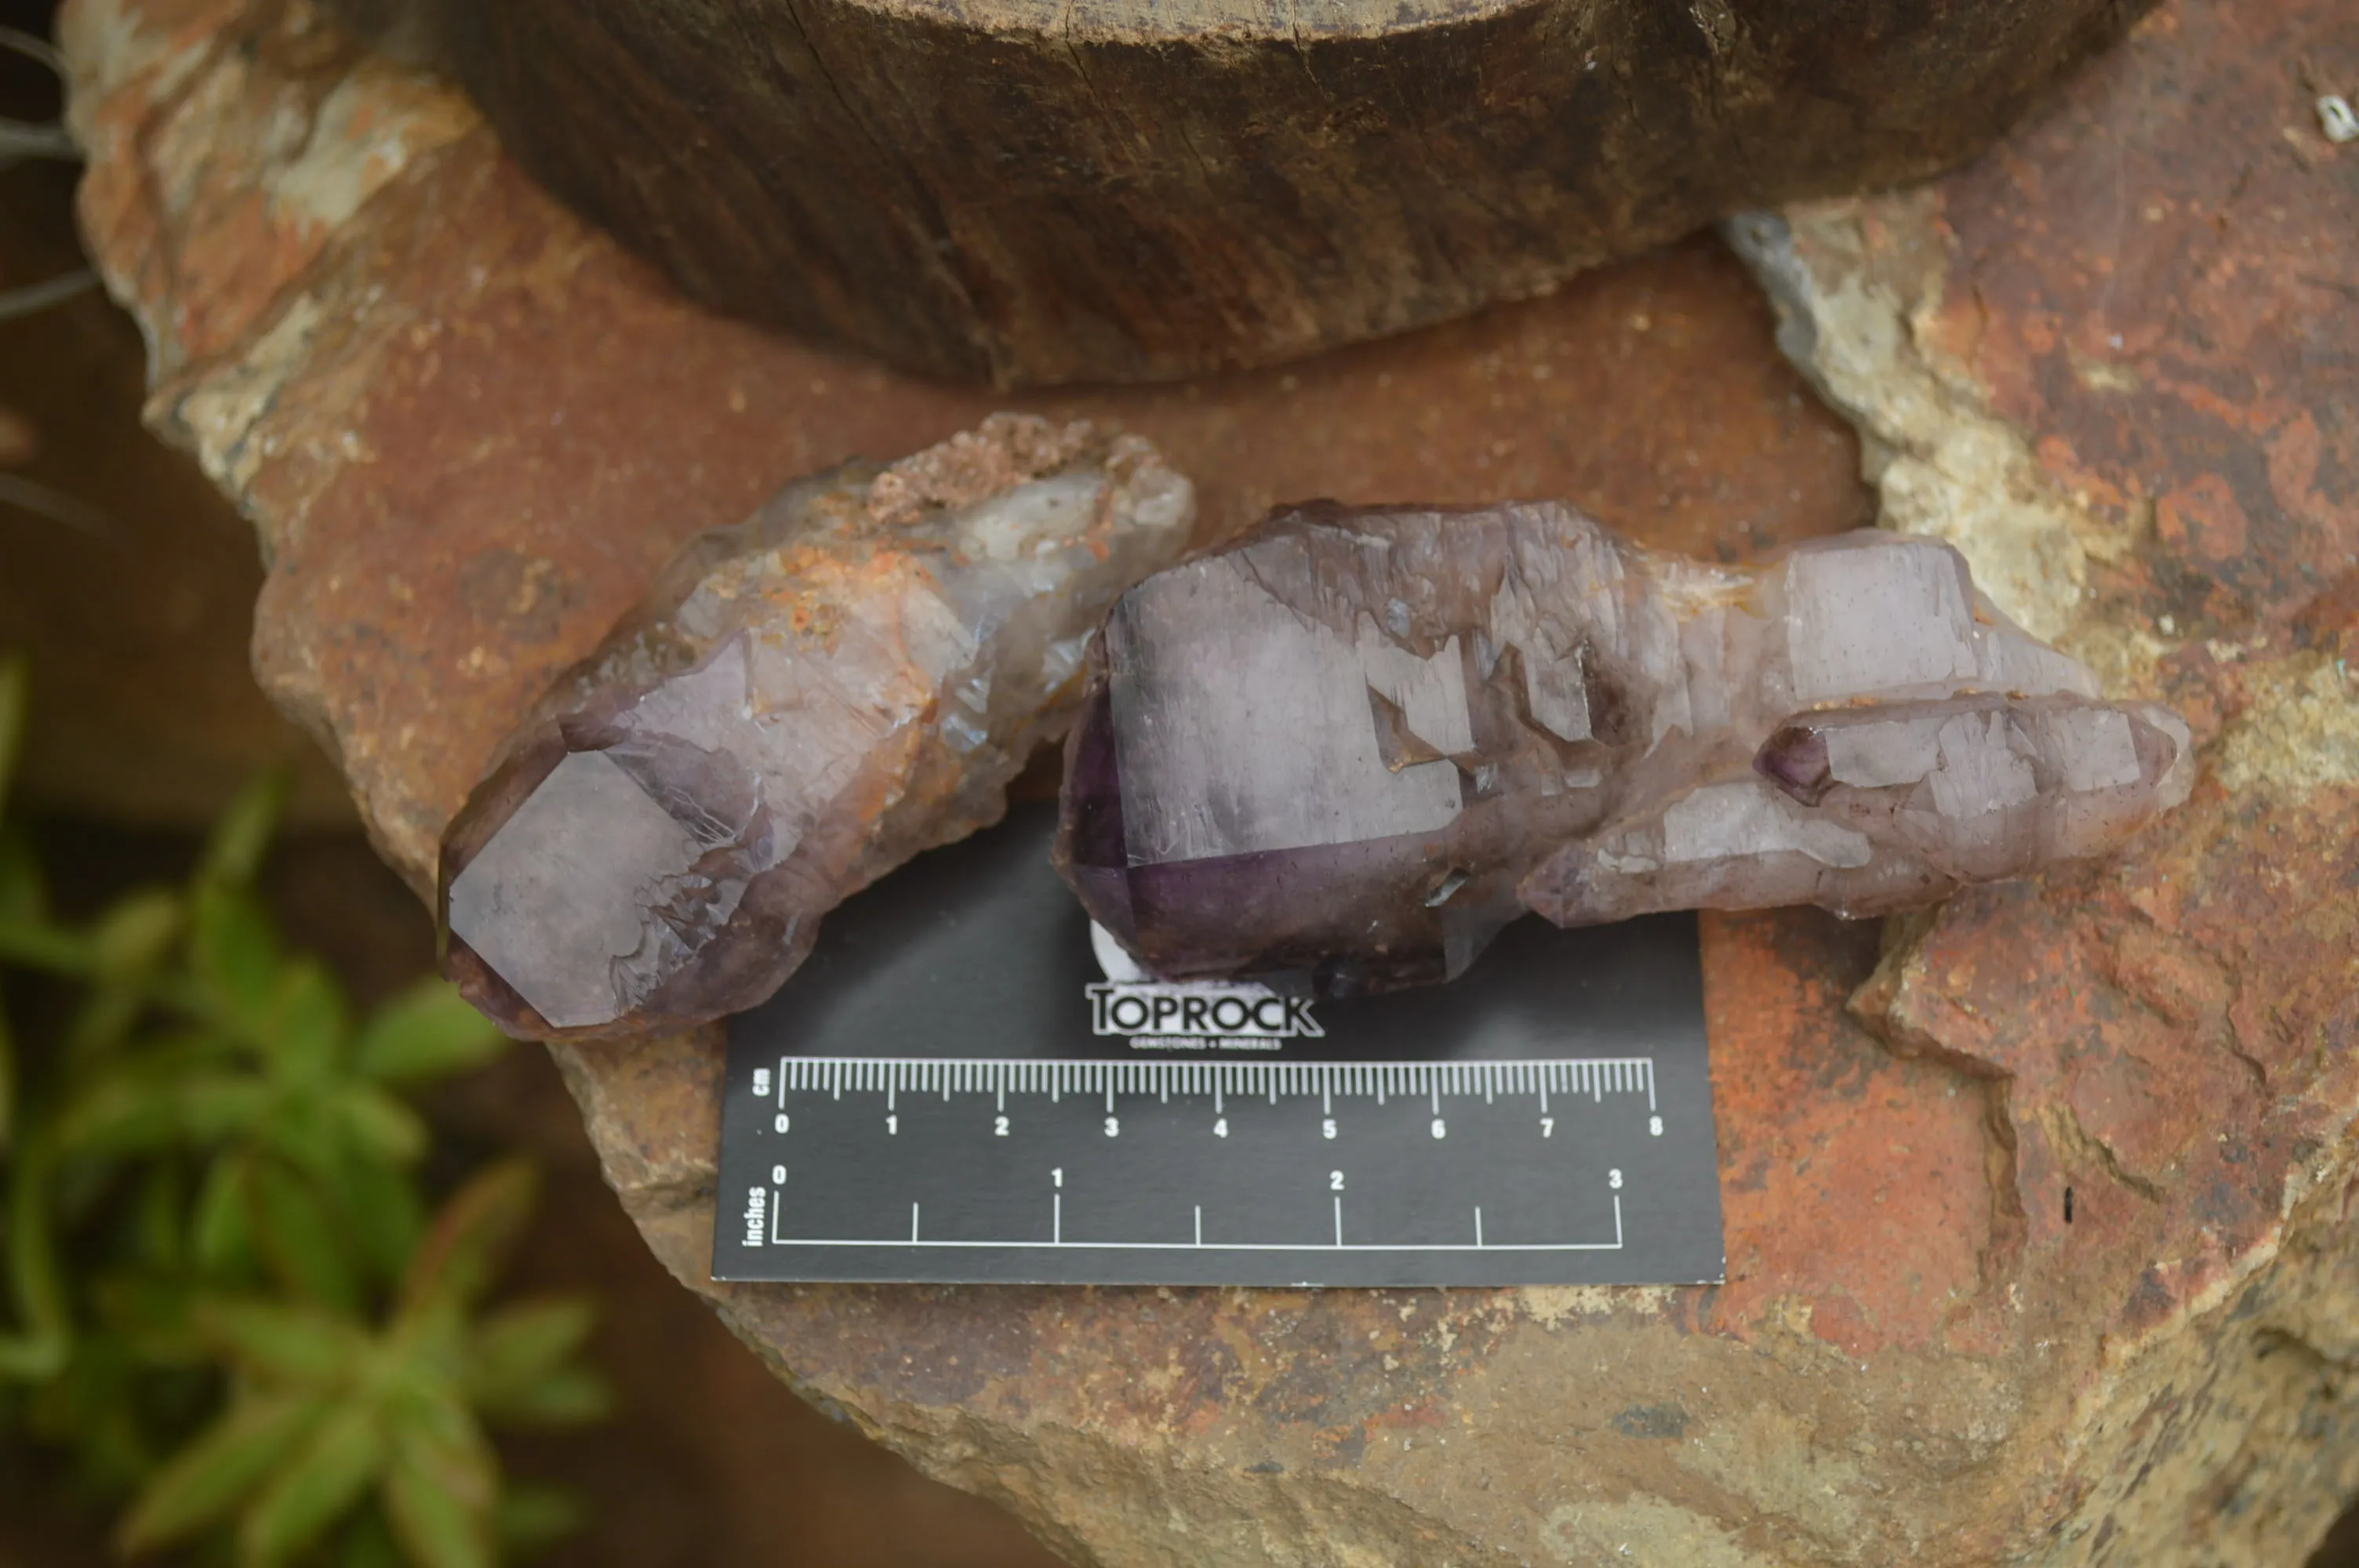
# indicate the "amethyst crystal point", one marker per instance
pixel 804 701
pixel 1359 741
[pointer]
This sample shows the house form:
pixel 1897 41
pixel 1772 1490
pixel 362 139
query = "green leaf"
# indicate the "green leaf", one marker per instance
pixel 153 1314
pixel 93 1407
pixel 16 707
pixel 575 1396
pixel 30 940
pixel 382 1212
pixel 434 1528
pixel 440 1487
pixel 39 1351
pixel 307 1128
pixel 132 937
pixel 324 1477
pixel 375 1122
pixel 118 1112
pixel 241 835
pixel 216 1106
pixel 159 1105
pixel 126 948
pixel 283 1342
pixel 517 1347
pixel 23 892
pixel 368 1544
pixel 86 1410
pixel 156 1234
pixel 428 1031
pixel 308 1024
pixel 219 1235
pixel 206 1480
pixel 530 1519
pixel 7 1082
pixel 469 1238
pixel 104 1020
pixel 303 1243
pixel 235 954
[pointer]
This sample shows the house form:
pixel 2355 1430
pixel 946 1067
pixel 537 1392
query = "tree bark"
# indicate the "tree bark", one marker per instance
pixel 1028 193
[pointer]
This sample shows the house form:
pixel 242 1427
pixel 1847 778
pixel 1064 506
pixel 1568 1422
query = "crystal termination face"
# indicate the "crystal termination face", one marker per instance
pixel 1356 743
pixel 804 700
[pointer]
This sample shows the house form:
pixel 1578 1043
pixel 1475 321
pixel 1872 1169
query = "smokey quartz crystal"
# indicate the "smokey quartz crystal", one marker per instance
pixel 804 701
pixel 1353 745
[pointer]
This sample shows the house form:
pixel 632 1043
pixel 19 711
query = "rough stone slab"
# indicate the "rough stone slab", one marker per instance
pixel 467 431
pixel 2111 363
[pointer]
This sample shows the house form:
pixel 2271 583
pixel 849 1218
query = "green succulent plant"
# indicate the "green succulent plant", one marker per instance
pixel 225 1297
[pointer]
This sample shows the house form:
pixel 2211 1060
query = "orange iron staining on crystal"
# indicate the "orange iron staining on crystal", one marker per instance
pixel 804 701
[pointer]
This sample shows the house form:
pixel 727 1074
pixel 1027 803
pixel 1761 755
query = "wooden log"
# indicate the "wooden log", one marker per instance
pixel 1035 191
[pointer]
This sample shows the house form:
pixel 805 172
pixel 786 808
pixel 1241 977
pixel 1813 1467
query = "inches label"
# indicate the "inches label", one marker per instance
pixel 966 1083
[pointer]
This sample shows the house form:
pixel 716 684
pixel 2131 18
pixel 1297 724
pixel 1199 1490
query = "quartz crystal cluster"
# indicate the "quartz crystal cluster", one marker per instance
pixel 1356 743
pixel 804 701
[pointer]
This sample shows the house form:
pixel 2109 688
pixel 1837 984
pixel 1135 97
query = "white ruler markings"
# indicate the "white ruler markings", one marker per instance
pixel 1595 1077
pixel 1058 1242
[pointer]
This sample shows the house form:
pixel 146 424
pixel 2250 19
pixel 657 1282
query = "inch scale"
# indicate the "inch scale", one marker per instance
pixel 945 1094
pixel 1380 1132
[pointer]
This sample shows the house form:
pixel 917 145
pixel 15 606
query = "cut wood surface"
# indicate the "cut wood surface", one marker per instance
pixel 1034 191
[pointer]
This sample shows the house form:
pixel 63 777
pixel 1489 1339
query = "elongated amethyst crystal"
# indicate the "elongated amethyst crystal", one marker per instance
pixel 804 701
pixel 1358 742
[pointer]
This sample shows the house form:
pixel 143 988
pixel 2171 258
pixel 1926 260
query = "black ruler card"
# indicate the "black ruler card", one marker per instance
pixel 962 1086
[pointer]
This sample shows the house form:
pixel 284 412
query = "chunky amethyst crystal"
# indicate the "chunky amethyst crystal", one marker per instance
pixel 804 701
pixel 1359 741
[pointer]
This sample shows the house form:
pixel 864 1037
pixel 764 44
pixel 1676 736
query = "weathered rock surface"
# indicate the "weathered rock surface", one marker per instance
pixel 1353 746
pixel 1916 1356
pixel 804 700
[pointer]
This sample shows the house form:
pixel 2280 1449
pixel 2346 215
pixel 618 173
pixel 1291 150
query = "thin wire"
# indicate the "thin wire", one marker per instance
pixel 29 495
pixel 38 297
pixel 22 139
pixel 38 49
pixel 28 138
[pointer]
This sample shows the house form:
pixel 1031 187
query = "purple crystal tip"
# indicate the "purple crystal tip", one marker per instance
pixel 804 701
pixel 1359 741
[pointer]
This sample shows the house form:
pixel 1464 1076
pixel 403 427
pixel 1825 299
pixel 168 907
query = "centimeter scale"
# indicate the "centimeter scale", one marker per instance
pixel 966 1084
